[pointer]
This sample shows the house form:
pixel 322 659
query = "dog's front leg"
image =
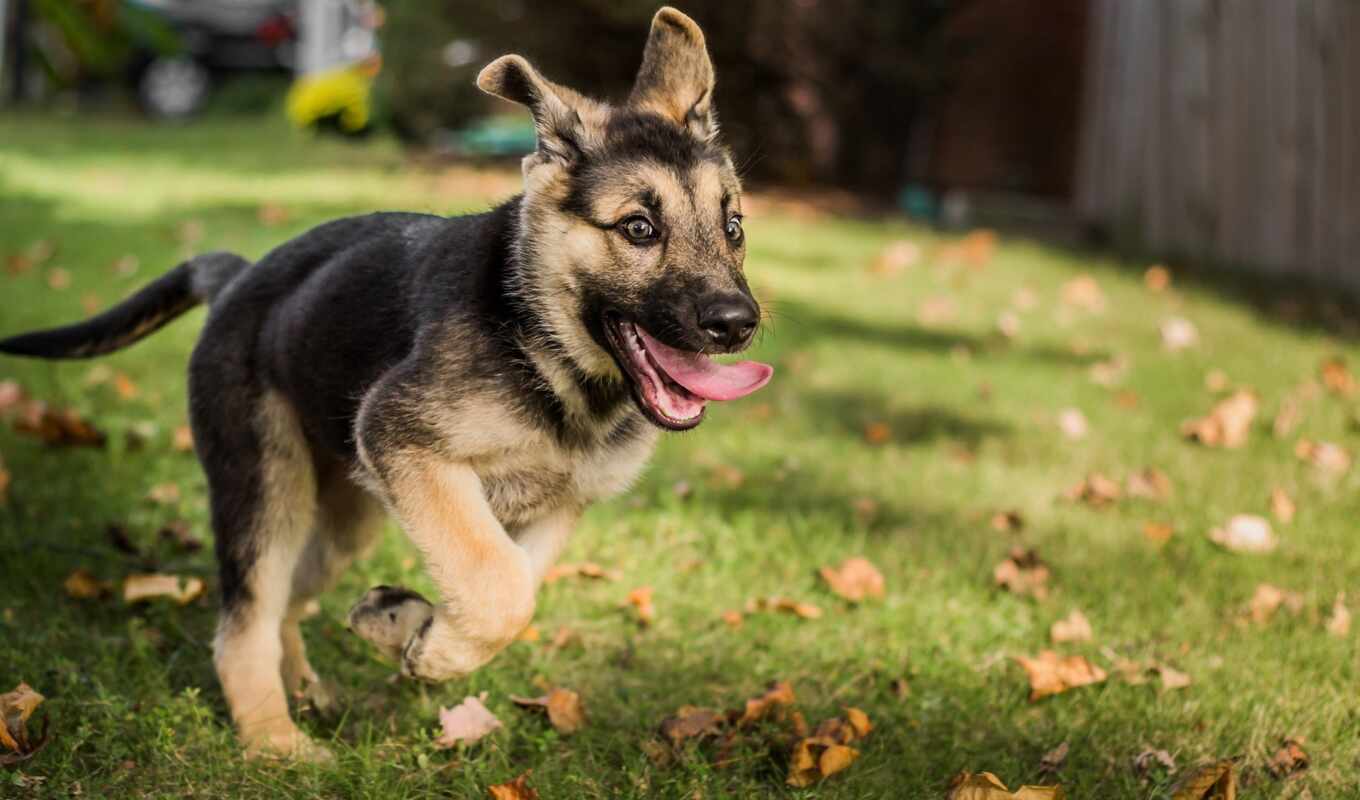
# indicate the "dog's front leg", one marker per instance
pixel 486 582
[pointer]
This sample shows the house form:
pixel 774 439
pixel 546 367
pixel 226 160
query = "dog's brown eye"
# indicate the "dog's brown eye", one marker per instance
pixel 734 232
pixel 638 229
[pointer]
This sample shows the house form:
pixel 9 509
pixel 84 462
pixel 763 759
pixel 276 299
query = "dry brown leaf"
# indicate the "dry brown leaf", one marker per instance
pixel 1267 599
pixel 815 759
pixel 1073 423
pixel 1084 294
pixel 772 702
pixel 1054 759
pixel 1171 678
pixel 1144 761
pixel 986 786
pixel 1282 505
pixel 1216 780
pixel 855 579
pixel 1157 278
pixel 1051 674
pixel 465 723
pixel 900 687
pixel 1148 484
pixel 896 257
pixel 1339 621
pixel 177 531
pixel 82 585
pixel 165 494
pixel 785 604
pixel 183 439
pixel 565 710
pixel 1328 458
pixel 691 722
pixel 124 386
pixel 877 433
pixel 1008 522
pixel 1095 490
pixel 4 484
pixel 1217 381
pixel 1072 628
pixel 272 214
pixel 12 397
pixel 1289 760
pixel 1109 373
pixel 137 588
pixel 57 427
pixel 732 617
pixel 1337 378
pixel 585 569
pixel 1159 533
pixel 518 789
pixel 15 709
pixel 58 279
pixel 1023 573
pixel 1245 533
pixel 641 601
pixel 1178 333
pixel 1228 423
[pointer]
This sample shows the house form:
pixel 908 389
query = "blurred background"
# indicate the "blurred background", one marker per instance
pixel 1219 131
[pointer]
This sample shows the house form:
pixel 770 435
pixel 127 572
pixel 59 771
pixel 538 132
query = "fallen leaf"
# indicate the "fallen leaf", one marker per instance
pixel 465 723
pixel 788 605
pixel 1289 760
pixel 125 266
pixel 1073 423
pixel 1282 506
pixel 178 532
pixel 1336 378
pixel 529 634
pixel 1095 490
pixel 585 569
pixel 165 494
pixel 137 588
pixel 1053 759
pixel 15 709
pixel 183 439
pixel 90 303
pixel 641 601
pixel 1287 417
pixel 1328 458
pixel 900 687
pixel 776 698
pixel 1025 299
pixel 1051 674
pixel 815 759
pixel 1008 324
pixel 1083 293
pixel 12 397
pixel 690 722
pixel 1228 423
pixel 1159 533
pixel 855 579
pixel 1144 761
pixel 1008 522
pixel 1217 381
pixel 1148 484
pixel 4 484
pixel 726 476
pixel 1216 780
pixel 58 279
pixel 272 214
pixel 935 311
pixel 896 257
pixel 1157 278
pixel 1110 372
pixel 565 710
pixel 732 617
pixel 57 427
pixel 1022 573
pixel 1171 678
pixel 877 433
pixel 81 585
pixel 1339 621
pixel 124 386
pixel 986 786
pixel 518 789
pixel 1178 333
pixel 1072 628
pixel 1268 599
pixel 1245 533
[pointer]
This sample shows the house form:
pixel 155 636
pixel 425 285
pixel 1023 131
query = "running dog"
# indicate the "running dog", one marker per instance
pixel 482 378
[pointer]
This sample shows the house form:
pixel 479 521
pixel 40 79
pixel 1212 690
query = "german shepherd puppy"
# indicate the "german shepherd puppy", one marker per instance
pixel 483 378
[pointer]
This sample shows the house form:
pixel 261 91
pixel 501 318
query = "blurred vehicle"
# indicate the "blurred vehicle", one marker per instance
pixel 217 38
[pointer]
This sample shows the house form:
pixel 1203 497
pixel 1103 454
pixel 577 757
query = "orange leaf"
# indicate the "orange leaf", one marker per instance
pixel 1051 674
pixel 855 579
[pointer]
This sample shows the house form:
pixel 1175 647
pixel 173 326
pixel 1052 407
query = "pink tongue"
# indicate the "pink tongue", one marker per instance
pixel 705 377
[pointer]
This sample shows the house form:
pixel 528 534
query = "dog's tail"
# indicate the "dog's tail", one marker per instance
pixel 195 281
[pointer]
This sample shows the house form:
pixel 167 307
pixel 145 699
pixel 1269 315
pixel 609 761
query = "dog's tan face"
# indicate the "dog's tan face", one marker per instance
pixel 632 222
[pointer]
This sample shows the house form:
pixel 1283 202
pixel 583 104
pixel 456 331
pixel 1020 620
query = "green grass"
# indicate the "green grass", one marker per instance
pixel 135 710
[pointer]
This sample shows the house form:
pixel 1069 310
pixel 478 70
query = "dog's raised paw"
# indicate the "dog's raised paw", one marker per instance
pixel 388 616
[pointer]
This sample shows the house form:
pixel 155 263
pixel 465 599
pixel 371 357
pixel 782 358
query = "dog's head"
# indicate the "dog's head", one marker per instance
pixel 631 236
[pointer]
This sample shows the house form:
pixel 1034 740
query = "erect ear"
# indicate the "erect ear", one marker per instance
pixel 676 77
pixel 556 109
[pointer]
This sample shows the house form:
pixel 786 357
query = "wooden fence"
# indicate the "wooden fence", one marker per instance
pixel 1227 130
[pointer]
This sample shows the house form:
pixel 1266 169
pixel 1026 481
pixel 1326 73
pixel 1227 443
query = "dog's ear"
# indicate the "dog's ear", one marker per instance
pixel 556 109
pixel 676 77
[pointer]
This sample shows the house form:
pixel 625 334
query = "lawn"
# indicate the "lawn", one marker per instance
pixel 901 420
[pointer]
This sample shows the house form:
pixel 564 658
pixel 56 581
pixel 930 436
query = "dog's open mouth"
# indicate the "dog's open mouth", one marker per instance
pixel 672 385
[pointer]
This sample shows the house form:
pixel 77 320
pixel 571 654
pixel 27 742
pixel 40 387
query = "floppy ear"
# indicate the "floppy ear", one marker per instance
pixel 676 77
pixel 556 109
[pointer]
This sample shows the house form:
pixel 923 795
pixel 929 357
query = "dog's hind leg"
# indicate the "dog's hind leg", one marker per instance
pixel 264 507
pixel 349 521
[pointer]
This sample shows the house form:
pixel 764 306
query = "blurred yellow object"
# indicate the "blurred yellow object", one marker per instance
pixel 341 95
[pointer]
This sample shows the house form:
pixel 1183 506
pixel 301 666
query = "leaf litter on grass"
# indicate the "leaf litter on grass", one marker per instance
pixel 566 712
pixel 17 743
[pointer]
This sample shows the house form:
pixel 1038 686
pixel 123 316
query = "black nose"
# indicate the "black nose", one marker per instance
pixel 729 321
